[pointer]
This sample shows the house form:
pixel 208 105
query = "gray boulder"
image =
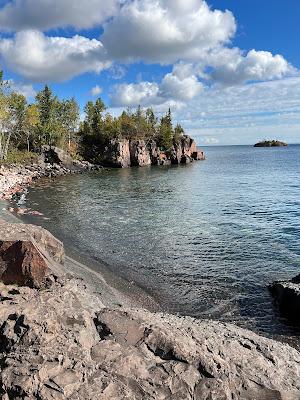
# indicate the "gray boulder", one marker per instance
pixel 55 156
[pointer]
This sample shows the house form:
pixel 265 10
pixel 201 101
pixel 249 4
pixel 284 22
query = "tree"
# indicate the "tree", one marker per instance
pixel 45 102
pixel 17 105
pixel 68 118
pixel 128 125
pixel 166 133
pixel 93 126
pixel 31 123
pixel 151 119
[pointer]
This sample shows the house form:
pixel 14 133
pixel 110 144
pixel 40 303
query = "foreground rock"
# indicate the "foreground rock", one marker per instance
pixel 270 143
pixel 287 296
pixel 129 153
pixel 66 343
pixel 29 255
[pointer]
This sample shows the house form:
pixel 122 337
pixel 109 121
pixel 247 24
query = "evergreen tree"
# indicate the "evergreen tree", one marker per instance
pixel 166 134
pixel 45 102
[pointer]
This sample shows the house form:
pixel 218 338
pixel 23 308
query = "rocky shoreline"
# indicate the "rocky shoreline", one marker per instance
pixel 61 340
pixel 62 337
pixel 52 163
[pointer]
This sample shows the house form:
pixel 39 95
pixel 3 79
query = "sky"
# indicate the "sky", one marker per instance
pixel 228 69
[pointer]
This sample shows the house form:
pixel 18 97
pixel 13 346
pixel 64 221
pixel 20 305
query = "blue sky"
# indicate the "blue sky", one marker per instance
pixel 230 77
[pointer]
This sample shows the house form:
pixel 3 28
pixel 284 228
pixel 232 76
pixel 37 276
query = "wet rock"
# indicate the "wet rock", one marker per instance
pixel 287 297
pixel 52 163
pixel 29 255
pixel 198 155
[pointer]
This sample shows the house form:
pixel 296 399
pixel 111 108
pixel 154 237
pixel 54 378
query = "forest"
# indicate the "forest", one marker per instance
pixel 25 127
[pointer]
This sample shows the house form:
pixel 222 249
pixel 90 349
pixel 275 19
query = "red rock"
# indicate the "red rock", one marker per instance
pixel 29 255
pixel 139 153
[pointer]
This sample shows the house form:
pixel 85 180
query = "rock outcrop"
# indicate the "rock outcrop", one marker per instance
pixel 55 156
pixel 29 255
pixel 117 154
pixel 186 151
pixel 65 343
pixel 126 153
pixel 287 297
pixel 139 153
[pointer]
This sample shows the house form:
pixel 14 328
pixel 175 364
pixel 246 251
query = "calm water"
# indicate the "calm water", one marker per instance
pixel 205 239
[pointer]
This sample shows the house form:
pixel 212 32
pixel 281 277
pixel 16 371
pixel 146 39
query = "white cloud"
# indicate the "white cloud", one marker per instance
pixel 133 94
pixel 46 14
pixel 241 114
pixel 256 65
pixel 187 33
pixel 41 58
pixel 178 86
pixel 96 90
pixel 166 31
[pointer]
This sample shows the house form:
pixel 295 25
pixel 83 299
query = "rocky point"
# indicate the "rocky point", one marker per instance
pixel 125 153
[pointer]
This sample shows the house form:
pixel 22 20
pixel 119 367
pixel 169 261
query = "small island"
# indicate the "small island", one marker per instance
pixel 270 143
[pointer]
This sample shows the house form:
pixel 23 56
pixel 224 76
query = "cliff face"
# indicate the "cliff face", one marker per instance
pixel 126 153
pixel 139 153
pixel 117 154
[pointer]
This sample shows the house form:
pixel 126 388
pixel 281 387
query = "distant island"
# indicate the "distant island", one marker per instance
pixel 270 143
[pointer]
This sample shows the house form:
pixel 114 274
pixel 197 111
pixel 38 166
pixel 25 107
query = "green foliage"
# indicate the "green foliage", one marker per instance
pixel 96 129
pixel 53 121
pixel 166 133
pixel 57 120
pixel 24 157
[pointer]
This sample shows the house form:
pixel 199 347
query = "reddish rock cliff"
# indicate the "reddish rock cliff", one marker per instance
pixel 126 153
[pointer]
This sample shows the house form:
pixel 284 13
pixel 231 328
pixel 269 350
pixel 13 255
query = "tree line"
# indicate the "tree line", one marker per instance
pixel 48 120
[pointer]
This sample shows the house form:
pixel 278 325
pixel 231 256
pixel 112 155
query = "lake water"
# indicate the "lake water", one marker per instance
pixel 204 239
